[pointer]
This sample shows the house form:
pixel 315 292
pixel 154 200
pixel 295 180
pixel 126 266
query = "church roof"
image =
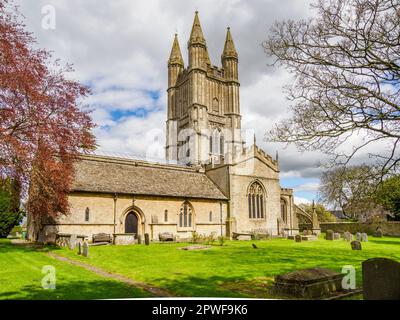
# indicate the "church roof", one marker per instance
pixel 113 175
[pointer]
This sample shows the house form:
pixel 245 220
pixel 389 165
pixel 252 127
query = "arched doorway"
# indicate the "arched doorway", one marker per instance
pixel 131 223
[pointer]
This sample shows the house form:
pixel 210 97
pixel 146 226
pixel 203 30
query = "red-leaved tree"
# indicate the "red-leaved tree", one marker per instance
pixel 42 124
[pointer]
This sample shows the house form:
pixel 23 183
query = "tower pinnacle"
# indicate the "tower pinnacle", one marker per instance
pixel 229 48
pixel 176 55
pixel 196 36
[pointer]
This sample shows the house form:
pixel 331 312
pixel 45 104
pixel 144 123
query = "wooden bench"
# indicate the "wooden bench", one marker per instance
pixel 102 237
pixel 235 235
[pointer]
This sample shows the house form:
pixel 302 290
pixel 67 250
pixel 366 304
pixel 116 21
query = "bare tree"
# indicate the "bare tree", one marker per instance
pixel 346 66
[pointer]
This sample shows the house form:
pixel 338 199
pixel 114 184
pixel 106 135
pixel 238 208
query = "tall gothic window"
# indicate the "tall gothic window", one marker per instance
pixel 284 210
pixel 186 215
pixel 256 200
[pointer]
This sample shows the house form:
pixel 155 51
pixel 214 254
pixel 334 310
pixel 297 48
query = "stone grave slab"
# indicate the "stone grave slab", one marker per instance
pixel 311 283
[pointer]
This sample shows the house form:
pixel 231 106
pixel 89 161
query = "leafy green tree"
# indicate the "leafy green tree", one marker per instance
pixel 388 195
pixel 10 213
pixel 8 218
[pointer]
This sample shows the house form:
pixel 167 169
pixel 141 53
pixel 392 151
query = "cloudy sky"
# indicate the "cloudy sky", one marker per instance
pixel 120 49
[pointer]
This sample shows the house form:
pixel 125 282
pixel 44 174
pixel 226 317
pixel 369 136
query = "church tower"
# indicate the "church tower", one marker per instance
pixel 204 120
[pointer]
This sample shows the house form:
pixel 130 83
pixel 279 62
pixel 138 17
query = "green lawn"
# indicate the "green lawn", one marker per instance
pixel 21 278
pixel 234 270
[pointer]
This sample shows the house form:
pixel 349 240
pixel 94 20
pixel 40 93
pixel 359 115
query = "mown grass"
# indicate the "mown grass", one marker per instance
pixel 21 278
pixel 234 270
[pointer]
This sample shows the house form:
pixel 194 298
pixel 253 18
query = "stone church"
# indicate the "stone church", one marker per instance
pixel 212 180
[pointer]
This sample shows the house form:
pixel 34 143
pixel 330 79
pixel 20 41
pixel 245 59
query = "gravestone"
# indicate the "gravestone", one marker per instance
pixel 358 236
pixel 139 239
pixel 348 236
pixel 85 251
pixel 298 238
pixel 307 232
pixel 329 235
pixel 364 237
pixel 356 245
pixel 381 279
pixel 72 241
pixel 336 236
pixel 80 248
pixel 146 239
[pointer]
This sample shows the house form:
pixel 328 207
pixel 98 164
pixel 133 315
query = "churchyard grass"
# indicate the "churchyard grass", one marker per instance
pixel 21 277
pixel 234 270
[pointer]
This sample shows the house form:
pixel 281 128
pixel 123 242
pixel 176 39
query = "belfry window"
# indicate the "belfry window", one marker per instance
pixel 256 199
pixel 186 215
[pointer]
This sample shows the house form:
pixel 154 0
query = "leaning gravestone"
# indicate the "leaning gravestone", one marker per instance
pixel 364 237
pixel 329 235
pixel 381 279
pixel 356 245
pixel 146 239
pixel 72 241
pixel 297 238
pixel 85 251
pixel 139 239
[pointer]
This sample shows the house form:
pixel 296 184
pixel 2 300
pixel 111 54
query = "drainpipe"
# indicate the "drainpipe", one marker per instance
pixel 220 205
pixel 115 212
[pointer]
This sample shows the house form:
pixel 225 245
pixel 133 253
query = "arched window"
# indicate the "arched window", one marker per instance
pixel 256 199
pixel 186 215
pixel 284 210
pixel 87 214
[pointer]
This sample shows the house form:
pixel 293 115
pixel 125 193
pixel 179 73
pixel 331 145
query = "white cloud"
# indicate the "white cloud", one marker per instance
pixel 300 200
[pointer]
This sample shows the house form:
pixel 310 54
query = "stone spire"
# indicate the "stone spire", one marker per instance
pixel 198 53
pixel 176 55
pixel 229 48
pixel 196 36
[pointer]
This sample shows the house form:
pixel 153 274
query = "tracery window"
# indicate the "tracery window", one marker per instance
pixel 186 215
pixel 256 201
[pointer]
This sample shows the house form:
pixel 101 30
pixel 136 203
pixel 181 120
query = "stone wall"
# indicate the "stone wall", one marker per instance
pixel 388 228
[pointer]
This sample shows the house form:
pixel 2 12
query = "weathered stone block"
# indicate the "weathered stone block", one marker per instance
pixel 309 283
